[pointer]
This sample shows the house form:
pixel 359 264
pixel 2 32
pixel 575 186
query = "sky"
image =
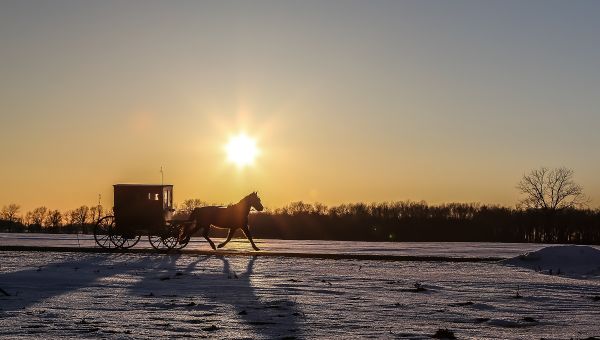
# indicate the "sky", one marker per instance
pixel 349 101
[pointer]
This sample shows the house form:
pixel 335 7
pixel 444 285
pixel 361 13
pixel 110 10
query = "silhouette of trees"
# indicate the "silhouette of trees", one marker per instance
pixel 96 213
pixel 80 215
pixel 189 205
pixel 38 216
pixel 551 189
pixel 567 222
pixel 54 219
pixel 418 221
pixel 553 207
pixel 35 219
pixel 10 220
pixel 297 208
pixel 10 213
pixel 186 208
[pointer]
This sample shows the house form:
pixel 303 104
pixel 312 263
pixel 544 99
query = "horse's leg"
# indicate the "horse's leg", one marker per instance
pixel 246 231
pixel 183 239
pixel 181 236
pixel 205 234
pixel 185 233
pixel 229 235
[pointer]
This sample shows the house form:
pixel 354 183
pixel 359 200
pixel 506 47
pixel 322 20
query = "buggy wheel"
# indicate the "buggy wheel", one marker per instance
pixel 166 240
pixel 180 245
pixel 157 242
pixel 103 231
pixel 170 241
pixel 125 241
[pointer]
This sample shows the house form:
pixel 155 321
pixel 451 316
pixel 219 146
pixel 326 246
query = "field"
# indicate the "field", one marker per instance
pixel 145 295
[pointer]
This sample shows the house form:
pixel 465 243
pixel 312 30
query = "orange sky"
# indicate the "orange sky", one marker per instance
pixel 348 101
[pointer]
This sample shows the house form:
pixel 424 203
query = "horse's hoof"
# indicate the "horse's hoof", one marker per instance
pixel 220 246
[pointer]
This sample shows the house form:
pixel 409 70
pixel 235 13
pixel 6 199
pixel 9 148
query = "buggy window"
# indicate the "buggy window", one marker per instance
pixel 153 196
pixel 167 199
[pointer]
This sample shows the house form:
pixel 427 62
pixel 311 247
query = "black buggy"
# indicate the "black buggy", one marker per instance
pixel 140 210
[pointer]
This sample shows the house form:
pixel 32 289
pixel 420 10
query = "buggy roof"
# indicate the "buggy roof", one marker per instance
pixel 130 185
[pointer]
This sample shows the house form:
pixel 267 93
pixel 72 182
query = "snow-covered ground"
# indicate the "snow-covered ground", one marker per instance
pixel 568 260
pixel 81 295
pixel 443 249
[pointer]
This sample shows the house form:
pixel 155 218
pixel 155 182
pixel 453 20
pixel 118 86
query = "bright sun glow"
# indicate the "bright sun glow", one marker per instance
pixel 241 150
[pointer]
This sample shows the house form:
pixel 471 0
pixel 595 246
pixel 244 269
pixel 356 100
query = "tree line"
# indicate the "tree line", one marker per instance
pixel 387 221
pixel 419 221
pixel 42 219
pixel 553 209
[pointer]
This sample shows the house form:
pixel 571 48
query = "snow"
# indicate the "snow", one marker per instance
pixel 567 260
pixel 140 295
pixel 441 249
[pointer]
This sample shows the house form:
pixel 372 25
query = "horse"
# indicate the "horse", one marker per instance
pixel 233 217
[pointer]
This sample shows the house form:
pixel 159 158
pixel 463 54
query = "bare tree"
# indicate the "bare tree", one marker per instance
pixel 10 212
pixel 54 219
pixel 551 189
pixel 189 205
pixel 80 215
pixel 38 216
pixel 27 219
pixel 96 212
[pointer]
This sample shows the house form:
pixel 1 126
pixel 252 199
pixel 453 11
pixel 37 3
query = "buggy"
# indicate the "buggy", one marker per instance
pixel 140 210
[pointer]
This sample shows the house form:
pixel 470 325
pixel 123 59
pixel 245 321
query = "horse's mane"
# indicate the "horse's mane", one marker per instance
pixel 248 196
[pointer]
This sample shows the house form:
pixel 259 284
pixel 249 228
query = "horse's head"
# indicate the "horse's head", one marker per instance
pixel 254 201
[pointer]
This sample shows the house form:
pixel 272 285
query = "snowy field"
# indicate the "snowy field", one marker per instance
pixel 81 295
pixel 446 249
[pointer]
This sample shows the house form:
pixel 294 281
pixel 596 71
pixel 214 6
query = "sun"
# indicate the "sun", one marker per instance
pixel 241 150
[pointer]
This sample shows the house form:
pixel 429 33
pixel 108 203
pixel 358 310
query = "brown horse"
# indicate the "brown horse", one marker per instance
pixel 233 217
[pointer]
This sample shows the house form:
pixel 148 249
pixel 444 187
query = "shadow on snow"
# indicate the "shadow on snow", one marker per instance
pixel 151 282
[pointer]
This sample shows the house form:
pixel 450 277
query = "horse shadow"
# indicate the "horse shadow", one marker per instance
pixel 260 308
pixel 201 294
pixel 204 296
